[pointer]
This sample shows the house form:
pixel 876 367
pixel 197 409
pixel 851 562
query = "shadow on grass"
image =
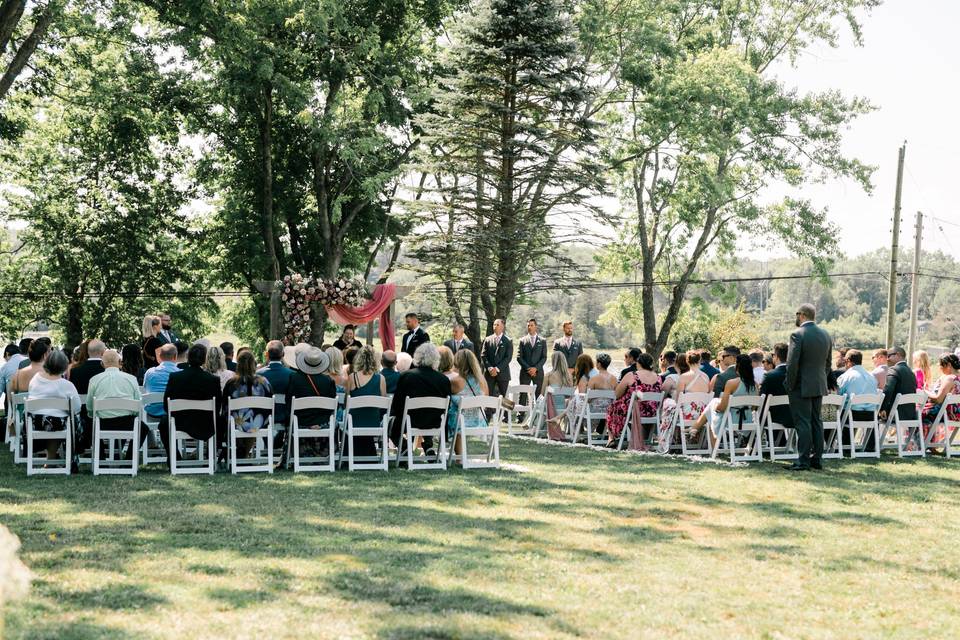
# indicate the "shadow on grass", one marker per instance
pixel 78 630
pixel 114 597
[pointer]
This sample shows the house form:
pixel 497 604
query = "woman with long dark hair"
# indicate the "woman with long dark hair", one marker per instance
pixel 743 385
pixel 246 383
pixel 643 380
pixel 131 361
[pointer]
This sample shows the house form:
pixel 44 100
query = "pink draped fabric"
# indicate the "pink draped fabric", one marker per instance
pixel 377 307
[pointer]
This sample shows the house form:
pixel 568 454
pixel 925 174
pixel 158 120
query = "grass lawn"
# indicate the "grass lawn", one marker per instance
pixel 566 542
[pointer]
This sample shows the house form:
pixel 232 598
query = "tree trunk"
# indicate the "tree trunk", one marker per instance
pixel 26 50
pixel 265 142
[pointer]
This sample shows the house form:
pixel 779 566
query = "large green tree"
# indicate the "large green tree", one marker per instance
pixel 698 126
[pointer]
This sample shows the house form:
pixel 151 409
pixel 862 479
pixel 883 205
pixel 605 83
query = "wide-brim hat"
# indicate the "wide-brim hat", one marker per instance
pixel 290 353
pixel 313 361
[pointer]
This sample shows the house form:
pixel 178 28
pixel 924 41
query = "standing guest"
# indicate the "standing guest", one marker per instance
pixel 415 335
pixel 113 383
pixel 150 329
pixel 364 380
pixel 193 383
pixel 532 355
pixel 149 353
pixel 156 378
pixel 227 348
pixel 741 384
pixel 310 380
pixel 774 385
pixel 278 375
pixel 166 334
pixel 705 365
pixel 131 361
pixel 468 383
pixel 948 383
pixel 857 381
pixel 348 339
pixel 630 362
pixel 12 358
pixel 80 376
pixel 216 364
pixel 246 382
pixel 668 364
pixel 922 370
pixel 459 341
pixel 495 356
pixel 880 367
pixel 900 380
pixel 643 380
pixel 808 368
pixel 728 360
pixel 756 359
pixel 423 380
pixel 388 362
pixel 570 347
pixel 559 376
pixel 50 383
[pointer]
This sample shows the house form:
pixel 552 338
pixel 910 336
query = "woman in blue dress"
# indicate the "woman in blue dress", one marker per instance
pixel 468 383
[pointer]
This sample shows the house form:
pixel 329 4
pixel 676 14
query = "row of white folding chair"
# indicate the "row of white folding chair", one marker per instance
pixel 586 416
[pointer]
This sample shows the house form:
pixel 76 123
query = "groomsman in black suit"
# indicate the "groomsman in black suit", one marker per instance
pixel 570 347
pixel 495 357
pixel 459 341
pixel 809 362
pixel 415 335
pixel 167 335
pixel 532 356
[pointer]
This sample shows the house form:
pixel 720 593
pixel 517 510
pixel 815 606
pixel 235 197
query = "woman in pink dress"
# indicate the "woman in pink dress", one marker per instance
pixel 947 384
pixel 643 380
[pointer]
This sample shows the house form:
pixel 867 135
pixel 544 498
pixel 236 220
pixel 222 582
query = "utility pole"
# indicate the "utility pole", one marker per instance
pixel 915 288
pixel 892 293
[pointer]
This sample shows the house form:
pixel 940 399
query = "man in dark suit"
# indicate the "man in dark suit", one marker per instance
pixel 630 362
pixel 569 346
pixel 900 380
pixel 415 335
pixel 193 383
pixel 389 371
pixel 459 341
pixel 668 364
pixel 80 377
pixel 808 369
pixel 532 355
pixel 773 384
pixel 495 357
pixel 705 365
pixel 227 348
pixel 728 362
pixel 422 380
pixel 167 335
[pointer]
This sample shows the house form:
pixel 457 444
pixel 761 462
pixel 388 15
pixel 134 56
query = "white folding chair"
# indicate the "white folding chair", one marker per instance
pixel 155 454
pixel 56 466
pixel 317 432
pixel 258 462
pixel 409 433
pixel 381 431
pixel 587 416
pixel 280 400
pixel 950 427
pixel 545 403
pixel 17 401
pixel 206 450
pixel 114 438
pixel 863 432
pixel 908 433
pixel 737 435
pixel 775 431
pixel 684 425
pixel 633 416
pixel 521 415
pixel 833 429
pixel 490 434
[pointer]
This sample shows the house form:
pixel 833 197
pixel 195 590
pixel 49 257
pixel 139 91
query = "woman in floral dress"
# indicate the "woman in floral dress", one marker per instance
pixel 643 380
pixel 948 383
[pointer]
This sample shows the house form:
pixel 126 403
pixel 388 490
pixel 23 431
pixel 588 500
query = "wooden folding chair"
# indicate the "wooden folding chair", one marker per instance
pixel 259 462
pixel 633 416
pixel 326 432
pixel 46 466
pixel 951 427
pixel 737 435
pixel 490 434
pixel 115 438
pixel 179 441
pixel 864 432
pixel 381 432
pixel 409 434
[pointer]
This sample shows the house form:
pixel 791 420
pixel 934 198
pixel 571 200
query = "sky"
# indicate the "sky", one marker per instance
pixel 909 68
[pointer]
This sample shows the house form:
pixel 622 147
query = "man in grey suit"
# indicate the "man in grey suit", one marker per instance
pixel 569 346
pixel 532 356
pixel 459 341
pixel 495 357
pixel 808 367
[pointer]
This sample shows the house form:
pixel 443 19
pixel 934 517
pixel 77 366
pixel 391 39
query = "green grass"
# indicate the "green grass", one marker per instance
pixel 566 542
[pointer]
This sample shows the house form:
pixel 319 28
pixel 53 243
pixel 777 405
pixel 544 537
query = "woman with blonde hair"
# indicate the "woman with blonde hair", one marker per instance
pixel 446 362
pixel 150 327
pixel 467 382
pixel 216 363
pixel 335 372
pixel 365 380
pixel 923 370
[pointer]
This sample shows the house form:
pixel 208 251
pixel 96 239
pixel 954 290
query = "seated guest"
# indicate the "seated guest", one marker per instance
pixel 560 376
pixel 768 363
pixel 131 361
pixel 389 371
pixel 644 380
pixel 922 369
pixel 446 362
pixel 629 360
pixel 79 356
pixel 705 365
pixel 900 380
pixel 606 381
pixel 156 378
pixel 857 381
pixel 310 380
pixel 193 383
pixel 773 385
pixel 80 376
pixel 728 361
pixel 12 357
pixel 39 351
pixel 227 348
pixel 741 384
pixel 348 339
pixel 404 361
pixel 50 383
pixel 948 383
pixel 840 367
pixel 671 391
pixel 216 364
pixel 246 382
pixel 278 375
pixel 348 357
pixel 756 357
pixel 580 381
pixel 182 348
pixel 692 379
pixel 26 363
pixel 468 382
pixel 365 380
pixel 423 380
pixel 336 373
pixel 115 384
pixel 668 364
pixel 880 367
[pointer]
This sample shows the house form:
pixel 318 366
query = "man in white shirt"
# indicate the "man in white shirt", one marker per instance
pixel 532 355
pixel 880 367
pixel 459 340
pixel 570 347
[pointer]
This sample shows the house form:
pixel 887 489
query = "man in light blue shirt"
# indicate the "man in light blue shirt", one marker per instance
pixel 856 381
pixel 155 379
pixel 14 355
